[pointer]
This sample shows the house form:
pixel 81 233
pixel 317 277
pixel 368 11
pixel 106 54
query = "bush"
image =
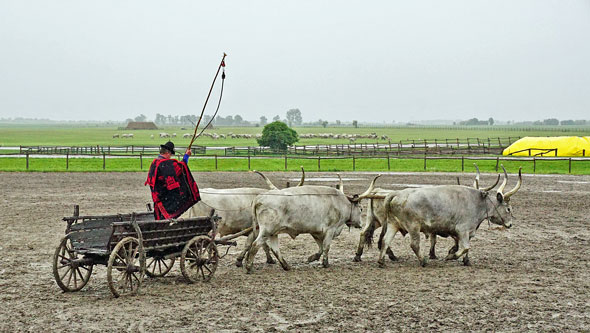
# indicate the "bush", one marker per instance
pixel 278 136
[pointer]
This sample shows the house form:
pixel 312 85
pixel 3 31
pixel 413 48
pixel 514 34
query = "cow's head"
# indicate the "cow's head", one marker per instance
pixel 355 200
pixel 501 213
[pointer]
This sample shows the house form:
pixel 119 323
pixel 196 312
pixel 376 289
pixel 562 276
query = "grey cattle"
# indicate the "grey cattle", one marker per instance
pixel 446 210
pixel 234 206
pixel 376 217
pixel 320 211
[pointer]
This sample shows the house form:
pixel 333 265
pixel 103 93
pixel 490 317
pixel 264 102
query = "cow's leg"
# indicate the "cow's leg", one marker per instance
pixel 390 254
pixel 273 241
pixel 269 259
pixel 327 242
pixel 369 227
pixel 261 239
pixel 464 244
pixel 415 245
pixel 249 240
pixel 389 235
pixel 317 256
pixel 455 247
pixel 432 246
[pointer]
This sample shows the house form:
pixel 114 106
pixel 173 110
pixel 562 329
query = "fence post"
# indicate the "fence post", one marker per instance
pixel 570 165
pixel 424 161
pixel 388 163
pixel 286 163
pixel 215 161
pixel 141 161
pixel 534 165
pixel 583 152
pixel 248 159
pixel 497 162
pixel 319 158
pixel 353 163
pixel 27 161
pixel 462 163
pixel 67 161
pixel 103 161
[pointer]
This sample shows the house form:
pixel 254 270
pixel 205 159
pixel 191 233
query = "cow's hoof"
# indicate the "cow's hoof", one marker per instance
pixel 466 263
pixel 313 257
pixel 381 263
pixel 238 263
pixel 392 257
pixel 433 257
pixel 270 261
pixel 249 269
pixel 356 259
pixel 286 267
pixel 423 262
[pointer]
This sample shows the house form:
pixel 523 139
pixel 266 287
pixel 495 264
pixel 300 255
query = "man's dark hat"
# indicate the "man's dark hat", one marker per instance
pixel 169 146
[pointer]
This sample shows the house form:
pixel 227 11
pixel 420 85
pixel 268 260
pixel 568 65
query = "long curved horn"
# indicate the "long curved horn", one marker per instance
pixel 511 192
pixel 370 189
pixel 341 184
pixel 302 177
pixel 268 182
pixel 491 187
pixel 476 181
pixel 501 188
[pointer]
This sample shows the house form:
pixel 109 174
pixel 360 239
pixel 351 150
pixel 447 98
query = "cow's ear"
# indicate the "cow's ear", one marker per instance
pixel 500 197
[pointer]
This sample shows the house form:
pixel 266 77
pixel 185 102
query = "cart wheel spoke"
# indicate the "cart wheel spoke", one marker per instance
pixel 199 259
pixel 126 254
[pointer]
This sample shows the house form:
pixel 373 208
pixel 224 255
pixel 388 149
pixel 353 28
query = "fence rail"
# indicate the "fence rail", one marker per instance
pixel 349 162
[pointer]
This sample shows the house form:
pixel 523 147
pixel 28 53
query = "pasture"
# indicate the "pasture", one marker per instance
pixel 533 276
pixel 29 135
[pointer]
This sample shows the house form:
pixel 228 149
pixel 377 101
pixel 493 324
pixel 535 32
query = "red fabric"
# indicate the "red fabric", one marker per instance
pixel 173 187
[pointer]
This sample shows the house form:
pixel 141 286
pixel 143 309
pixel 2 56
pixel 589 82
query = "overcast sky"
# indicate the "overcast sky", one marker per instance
pixel 378 61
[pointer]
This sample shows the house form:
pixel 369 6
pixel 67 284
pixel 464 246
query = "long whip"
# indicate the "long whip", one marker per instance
pixel 221 64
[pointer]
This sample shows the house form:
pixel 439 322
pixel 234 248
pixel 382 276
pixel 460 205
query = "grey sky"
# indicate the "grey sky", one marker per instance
pixel 367 60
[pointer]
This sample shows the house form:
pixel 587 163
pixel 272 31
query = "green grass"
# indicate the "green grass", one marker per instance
pixel 278 164
pixel 30 135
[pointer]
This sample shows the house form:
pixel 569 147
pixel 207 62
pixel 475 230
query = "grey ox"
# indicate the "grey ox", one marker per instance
pixel 376 218
pixel 446 210
pixel 320 211
pixel 234 206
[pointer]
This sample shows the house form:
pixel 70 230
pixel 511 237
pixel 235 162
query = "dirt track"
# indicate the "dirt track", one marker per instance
pixel 536 276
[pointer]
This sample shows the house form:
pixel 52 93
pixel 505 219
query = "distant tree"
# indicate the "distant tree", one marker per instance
pixel 355 124
pixel 551 122
pixel 160 119
pixel 141 117
pixel 338 122
pixel 294 117
pixel 491 121
pixel 580 122
pixel 263 121
pixel 567 122
pixel 537 122
pixel 278 136
pixel 128 120
pixel 238 120
pixel 276 118
pixel 324 123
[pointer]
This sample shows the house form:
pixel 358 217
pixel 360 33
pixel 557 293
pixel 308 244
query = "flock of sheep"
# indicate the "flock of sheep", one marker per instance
pixel 230 135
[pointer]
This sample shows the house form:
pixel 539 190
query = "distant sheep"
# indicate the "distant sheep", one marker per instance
pixel 115 136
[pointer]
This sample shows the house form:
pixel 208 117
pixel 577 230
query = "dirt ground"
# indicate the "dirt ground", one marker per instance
pixel 535 276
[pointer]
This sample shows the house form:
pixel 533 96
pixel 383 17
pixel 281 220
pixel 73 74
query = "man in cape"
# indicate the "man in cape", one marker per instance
pixel 173 187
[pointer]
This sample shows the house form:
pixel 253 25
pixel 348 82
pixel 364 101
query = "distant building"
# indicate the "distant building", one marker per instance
pixel 141 125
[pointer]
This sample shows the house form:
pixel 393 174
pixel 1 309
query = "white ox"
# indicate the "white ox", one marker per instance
pixel 234 206
pixel 446 210
pixel 376 218
pixel 320 211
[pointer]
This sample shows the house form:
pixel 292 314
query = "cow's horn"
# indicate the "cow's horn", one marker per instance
pixel 503 185
pixel 476 181
pixel 268 182
pixel 491 187
pixel 341 184
pixel 302 177
pixel 511 192
pixel 370 189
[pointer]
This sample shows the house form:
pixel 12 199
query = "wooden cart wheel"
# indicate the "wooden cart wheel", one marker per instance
pixel 124 270
pixel 199 259
pixel 70 273
pixel 158 267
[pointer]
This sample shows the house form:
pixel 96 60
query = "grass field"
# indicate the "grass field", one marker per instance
pixel 15 135
pixel 278 164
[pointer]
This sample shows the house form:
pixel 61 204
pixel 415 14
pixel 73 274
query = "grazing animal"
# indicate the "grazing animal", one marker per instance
pixel 446 210
pixel 164 135
pixel 234 206
pixel 115 136
pixel 320 211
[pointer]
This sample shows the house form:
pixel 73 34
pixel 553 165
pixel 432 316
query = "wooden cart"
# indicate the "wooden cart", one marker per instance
pixel 133 245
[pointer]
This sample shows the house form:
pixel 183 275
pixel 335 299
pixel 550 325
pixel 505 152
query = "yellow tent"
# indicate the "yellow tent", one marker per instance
pixel 550 146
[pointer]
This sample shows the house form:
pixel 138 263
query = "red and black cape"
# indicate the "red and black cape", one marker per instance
pixel 173 187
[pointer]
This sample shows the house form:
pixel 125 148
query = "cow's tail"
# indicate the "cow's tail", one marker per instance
pixel 389 217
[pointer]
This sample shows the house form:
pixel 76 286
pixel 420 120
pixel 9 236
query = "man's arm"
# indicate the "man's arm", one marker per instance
pixel 186 156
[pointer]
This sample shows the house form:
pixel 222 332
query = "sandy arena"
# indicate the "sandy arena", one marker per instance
pixel 535 276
